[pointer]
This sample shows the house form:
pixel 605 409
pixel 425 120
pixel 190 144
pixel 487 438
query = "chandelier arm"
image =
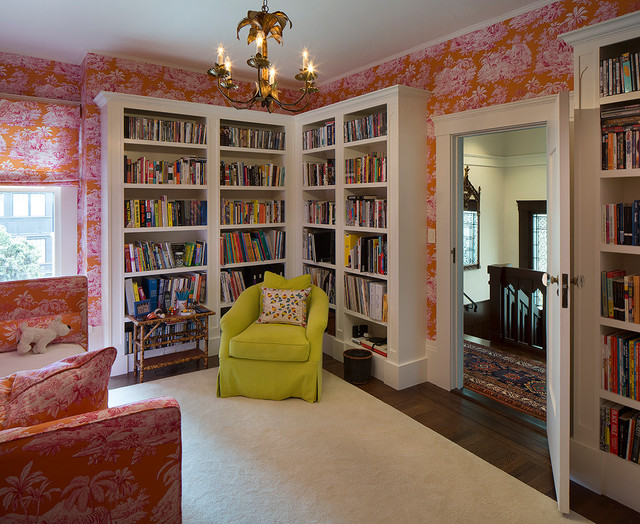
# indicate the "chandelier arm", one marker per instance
pixel 237 104
pixel 285 105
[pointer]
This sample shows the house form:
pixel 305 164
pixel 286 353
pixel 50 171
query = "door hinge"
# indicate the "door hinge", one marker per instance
pixel 565 290
pixel 453 254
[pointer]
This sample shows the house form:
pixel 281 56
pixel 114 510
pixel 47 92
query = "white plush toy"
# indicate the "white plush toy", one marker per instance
pixel 41 337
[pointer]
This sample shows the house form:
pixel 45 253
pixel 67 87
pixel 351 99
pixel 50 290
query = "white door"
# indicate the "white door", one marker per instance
pixel 558 310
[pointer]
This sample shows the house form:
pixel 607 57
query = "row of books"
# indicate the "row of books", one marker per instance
pixel 319 174
pixel 620 137
pixel 231 285
pixel 251 246
pixel 371 126
pixel 366 253
pixel 620 365
pixel 620 430
pixel 620 74
pixel 162 291
pixel 620 295
pixel 366 297
pixel 318 246
pixel 186 170
pixel 367 169
pixel 241 174
pixel 320 136
pixel 252 138
pixel 366 211
pixel 319 212
pixel 161 130
pixel 152 256
pixel 376 344
pixel 233 212
pixel 164 213
pixel 325 279
pixel 620 224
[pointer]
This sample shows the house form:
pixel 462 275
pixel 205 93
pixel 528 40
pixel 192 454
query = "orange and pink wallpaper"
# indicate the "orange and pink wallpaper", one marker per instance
pixel 511 60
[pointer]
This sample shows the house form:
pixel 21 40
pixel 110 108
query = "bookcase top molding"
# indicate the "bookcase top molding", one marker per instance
pixel 612 30
pixel 157 104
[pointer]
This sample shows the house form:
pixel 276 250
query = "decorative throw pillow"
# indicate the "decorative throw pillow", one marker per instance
pixel 276 281
pixel 71 386
pixel 284 306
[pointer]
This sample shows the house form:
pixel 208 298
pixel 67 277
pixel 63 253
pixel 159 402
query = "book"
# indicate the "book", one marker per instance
pixel 150 286
pixel 626 72
pixel 129 296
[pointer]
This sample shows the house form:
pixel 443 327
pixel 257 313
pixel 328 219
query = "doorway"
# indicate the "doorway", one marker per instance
pixel 504 255
pixel 551 112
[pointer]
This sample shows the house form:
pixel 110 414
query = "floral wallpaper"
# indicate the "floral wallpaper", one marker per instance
pixel 511 60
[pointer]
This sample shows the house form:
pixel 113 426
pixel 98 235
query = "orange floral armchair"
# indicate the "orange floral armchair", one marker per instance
pixel 66 457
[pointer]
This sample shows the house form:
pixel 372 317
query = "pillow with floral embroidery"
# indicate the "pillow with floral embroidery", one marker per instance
pixel 284 306
pixel 71 386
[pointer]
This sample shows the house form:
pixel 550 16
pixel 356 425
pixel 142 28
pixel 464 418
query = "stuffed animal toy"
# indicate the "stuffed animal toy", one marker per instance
pixel 41 337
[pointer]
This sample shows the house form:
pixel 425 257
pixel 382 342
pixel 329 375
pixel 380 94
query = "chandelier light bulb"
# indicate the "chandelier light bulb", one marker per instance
pixel 227 65
pixel 272 75
pixel 305 59
pixel 310 67
pixel 220 60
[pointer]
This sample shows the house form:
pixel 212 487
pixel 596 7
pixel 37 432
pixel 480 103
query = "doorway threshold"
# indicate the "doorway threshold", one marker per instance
pixel 509 412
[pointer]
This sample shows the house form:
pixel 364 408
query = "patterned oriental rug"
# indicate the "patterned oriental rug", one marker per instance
pixel 516 381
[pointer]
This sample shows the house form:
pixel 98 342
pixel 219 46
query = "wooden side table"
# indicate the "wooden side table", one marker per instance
pixel 157 332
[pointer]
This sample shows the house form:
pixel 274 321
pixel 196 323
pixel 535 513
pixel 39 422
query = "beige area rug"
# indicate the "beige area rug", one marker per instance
pixel 348 459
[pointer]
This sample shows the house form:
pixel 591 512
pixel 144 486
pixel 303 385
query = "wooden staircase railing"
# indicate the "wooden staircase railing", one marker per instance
pixel 518 307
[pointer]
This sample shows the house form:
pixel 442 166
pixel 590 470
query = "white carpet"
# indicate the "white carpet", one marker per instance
pixel 348 459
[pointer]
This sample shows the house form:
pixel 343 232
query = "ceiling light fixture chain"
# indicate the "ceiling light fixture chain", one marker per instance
pixel 262 26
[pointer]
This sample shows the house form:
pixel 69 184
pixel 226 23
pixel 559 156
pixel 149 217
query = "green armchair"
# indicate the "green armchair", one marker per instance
pixel 272 361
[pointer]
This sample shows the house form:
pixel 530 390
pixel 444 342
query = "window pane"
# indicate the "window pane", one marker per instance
pixel 27 234
pixel 470 238
pixel 21 205
pixel 41 246
pixel 540 242
pixel 38 205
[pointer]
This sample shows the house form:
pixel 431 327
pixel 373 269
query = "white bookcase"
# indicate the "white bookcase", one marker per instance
pixel 116 233
pixel 597 185
pixel 401 188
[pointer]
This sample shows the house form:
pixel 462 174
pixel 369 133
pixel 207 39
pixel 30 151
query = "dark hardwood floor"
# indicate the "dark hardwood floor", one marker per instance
pixel 488 431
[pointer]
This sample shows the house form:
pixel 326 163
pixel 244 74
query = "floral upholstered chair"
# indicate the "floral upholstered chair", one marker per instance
pixel 66 457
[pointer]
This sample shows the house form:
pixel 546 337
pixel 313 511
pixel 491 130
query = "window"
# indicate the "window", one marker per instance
pixel 470 224
pixel 532 234
pixel 37 232
pixel 532 239
pixel 470 239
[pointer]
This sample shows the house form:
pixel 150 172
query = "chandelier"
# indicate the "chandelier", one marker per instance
pixel 262 26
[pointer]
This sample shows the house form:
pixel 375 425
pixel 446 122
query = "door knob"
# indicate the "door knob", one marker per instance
pixel 548 279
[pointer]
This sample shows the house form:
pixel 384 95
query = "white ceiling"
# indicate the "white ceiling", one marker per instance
pixel 341 35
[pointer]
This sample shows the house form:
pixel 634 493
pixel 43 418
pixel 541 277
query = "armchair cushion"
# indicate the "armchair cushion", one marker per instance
pixel 279 342
pixel 74 385
pixel 284 306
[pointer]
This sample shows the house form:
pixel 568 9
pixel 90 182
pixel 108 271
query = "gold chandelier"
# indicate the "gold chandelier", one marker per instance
pixel 262 26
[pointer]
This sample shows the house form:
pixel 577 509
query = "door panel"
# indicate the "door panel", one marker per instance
pixel 558 310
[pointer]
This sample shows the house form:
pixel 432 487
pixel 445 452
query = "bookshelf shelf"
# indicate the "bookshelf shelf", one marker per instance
pixel 162 144
pixel 151 230
pixel 602 126
pixel 620 399
pixel 359 273
pixel 253 264
pixel 365 317
pixel 252 151
pixel 169 271
pixel 270 225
